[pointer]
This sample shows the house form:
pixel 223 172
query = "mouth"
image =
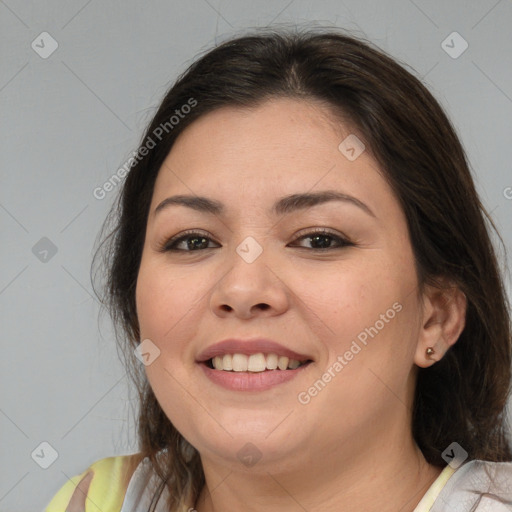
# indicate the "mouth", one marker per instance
pixel 251 364
pixel 254 363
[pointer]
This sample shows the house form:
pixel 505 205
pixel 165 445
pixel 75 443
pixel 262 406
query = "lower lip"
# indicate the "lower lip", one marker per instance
pixel 250 381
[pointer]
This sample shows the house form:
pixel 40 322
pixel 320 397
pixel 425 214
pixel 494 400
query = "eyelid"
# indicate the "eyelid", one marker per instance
pixel 320 230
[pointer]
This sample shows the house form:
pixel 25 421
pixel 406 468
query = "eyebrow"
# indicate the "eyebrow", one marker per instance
pixel 285 205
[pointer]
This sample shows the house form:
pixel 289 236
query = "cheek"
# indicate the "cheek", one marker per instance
pixel 164 300
pixel 165 305
pixel 350 299
pixel 371 314
pixel 370 345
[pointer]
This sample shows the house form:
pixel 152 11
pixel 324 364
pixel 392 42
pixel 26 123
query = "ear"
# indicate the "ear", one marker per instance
pixel 443 319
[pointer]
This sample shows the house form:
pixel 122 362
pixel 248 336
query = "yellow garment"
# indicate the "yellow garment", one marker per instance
pixel 109 479
pixel 433 492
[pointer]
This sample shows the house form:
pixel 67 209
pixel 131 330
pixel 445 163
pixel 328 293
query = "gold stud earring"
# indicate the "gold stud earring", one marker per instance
pixel 430 351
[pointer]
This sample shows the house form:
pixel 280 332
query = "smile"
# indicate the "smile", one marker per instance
pixel 254 363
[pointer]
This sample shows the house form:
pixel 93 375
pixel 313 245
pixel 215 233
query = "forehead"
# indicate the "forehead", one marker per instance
pixel 280 140
pixel 278 124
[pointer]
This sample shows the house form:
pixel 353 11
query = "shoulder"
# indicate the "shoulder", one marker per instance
pixel 477 486
pixel 103 484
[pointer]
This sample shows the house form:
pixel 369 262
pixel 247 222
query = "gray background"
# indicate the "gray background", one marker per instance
pixel 70 120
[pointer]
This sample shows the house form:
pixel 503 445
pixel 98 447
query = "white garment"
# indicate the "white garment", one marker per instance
pixel 141 489
pixel 483 477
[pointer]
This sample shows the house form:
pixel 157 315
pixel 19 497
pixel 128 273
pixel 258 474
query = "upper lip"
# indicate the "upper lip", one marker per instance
pixel 249 347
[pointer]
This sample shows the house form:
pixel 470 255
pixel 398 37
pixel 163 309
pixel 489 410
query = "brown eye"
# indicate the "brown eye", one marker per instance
pixel 322 240
pixel 192 241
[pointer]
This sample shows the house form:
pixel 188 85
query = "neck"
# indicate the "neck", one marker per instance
pixel 385 479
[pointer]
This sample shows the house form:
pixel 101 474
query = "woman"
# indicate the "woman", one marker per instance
pixel 301 262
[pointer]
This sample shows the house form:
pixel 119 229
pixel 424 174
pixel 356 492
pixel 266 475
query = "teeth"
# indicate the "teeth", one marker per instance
pixel 272 361
pixel 293 364
pixel 254 363
pixel 257 363
pixel 282 362
pixel 227 362
pixel 240 362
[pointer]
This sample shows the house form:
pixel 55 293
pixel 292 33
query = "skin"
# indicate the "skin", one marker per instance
pixel 350 447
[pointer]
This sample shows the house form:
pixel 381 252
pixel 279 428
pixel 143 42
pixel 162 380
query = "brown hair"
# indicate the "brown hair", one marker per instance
pixel 462 397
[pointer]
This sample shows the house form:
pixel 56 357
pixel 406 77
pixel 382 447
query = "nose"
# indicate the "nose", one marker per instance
pixel 249 289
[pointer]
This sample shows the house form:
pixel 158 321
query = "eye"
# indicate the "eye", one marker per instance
pixel 323 239
pixel 192 240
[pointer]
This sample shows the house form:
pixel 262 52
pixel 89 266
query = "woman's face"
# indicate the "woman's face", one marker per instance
pixel 345 300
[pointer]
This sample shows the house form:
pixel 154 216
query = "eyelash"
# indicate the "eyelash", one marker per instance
pixel 169 245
